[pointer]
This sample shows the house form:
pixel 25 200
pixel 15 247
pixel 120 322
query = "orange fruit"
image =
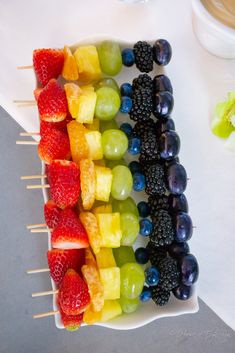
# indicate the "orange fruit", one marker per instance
pixel 96 290
pixel 70 69
pixel 73 92
pixel 89 222
pixel 90 316
pixel 87 177
pixel 77 139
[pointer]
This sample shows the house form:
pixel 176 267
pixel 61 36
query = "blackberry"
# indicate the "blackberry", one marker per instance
pixel 142 104
pixel 162 233
pixel 143 126
pixel 157 203
pixel 149 147
pixel 143 56
pixel 160 296
pixel 155 180
pixel 142 81
pixel 156 254
pixel 169 274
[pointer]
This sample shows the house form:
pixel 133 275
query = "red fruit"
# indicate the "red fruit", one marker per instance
pixel 64 182
pixel 37 92
pixel 70 233
pixel 54 145
pixel 47 172
pixel 48 63
pixel 51 214
pixel 52 102
pixel 71 322
pixel 59 261
pixel 73 296
pixel 46 126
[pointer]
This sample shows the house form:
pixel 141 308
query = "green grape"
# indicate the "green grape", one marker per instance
pixel 110 57
pixel 122 182
pixel 111 164
pixel 127 205
pixel 108 125
pixel 107 103
pixel 114 144
pixel 132 280
pixel 221 128
pixel 223 122
pixel 108 82
pixel 130 228
pixel 123 254
pixel 129 305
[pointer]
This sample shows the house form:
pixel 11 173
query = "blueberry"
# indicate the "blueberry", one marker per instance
pixel 162 83
pixel 138 182
pixel 183 227
pixel 141 256
pixel 134 145
pixel 163 103
pixel 143 208
pixel 146 227
pixel 176 178
pixel 128 57
pixel 189 270
pixel 151 276
pixel 146 294
pixel 183 292
pixel 127 128
pixel 178 249
pixel 126 90
pixel 164 124
pixel 162 52
pixel 169 145
pixel 135 167
pixel 126 104
pixel 178 203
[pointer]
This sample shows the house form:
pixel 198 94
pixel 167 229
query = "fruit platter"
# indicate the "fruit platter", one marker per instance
pixel 116 215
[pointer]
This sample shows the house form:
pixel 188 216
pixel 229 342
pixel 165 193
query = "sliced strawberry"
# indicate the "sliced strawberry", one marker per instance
pixel 52 102
pixel 71 322
pixel 54 145
pixel 59 261
pixel 48 63
pixel 64 183
pixel 37 92
pixel 70 233
pixel 51 214
pixel 46 126
pixel 73 296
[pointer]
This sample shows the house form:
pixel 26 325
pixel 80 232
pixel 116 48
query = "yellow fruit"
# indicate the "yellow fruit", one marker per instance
pixel 103 183
pixel 70 69
pixel 95 126
pixel 88 63
pixel 86 107
pixel 95 286
pixel 90 316
pixel 107 208
pixel 87 178
pixel 100 162
pixel 105 258
pixel 87 88
pixel 93 139
pixel 89 222
pixel 73 92
pixel 110 229
pixel 110 279
pixel 111 309
pixel 77 139
pixel 89 258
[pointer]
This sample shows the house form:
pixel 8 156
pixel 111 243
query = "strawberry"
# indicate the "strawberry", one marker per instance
pixel 47 172
pixel 73 296
pixel 37 92
pixel 52 102
pixel 64 183
pixel 54 145
pixel 51 214
pixel 46 126
pixel 48 63
pixel 71 322
pixel 70 233
pixel 59 261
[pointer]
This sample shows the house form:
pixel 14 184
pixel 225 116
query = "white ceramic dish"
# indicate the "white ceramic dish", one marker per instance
pixel 147 312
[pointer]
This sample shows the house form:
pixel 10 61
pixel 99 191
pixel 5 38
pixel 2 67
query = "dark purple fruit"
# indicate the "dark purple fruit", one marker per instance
pixel 163 103
pixel 189 270
pixel 178 249
pixel 162 83
pixel 183 227
pixel 183 292
pixel 176 179
pixel 178 203
pixel 169 145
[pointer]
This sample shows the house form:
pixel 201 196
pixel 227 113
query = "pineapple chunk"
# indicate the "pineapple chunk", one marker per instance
pixel 93 139
pixel 88 63
pixel 103 183
pixel 110 229
pixel 73 92
pixel 86 107
pixel 77 139
pixel 105 258
pixel 87 88
pixel 107 208
pixel 96 289
pixel 70 69
pixel 95 126
pixel 111 309
pixel 90 316
pixel 89 222
pixel 110 278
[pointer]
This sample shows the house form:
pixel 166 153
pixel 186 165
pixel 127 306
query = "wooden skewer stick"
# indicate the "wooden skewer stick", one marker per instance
pixel 27 143
pixel 25 105
pixel 37 176
pixel 45 186
pixel 25 67
pixel 49 313
pixel 33 226
pixel 41 294
pixel 24 101
pixel 29 133
pixel 37 270
pixel 43 230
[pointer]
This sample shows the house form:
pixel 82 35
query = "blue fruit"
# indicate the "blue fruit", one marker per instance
pixel 143 208
pixel 128 57
pixel 183 227
pixel 138 182
pixel 169 145
pixel 178 249
pixel 134 145
pixel 151 276
pixel 163 103
pixel 126 105
pixel 162 83
pixel 146 227
pixel 162 52
pixel 127 128
pixel 141 256
pixel 146 294
pixel 183 292
pixel 135 167
pixel 176 178
pixel 126 90
pixel 189 270
pixel 178 203
pixel 164 124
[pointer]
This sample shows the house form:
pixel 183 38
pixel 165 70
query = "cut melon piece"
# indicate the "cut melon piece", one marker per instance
pixel 88 187
pixel 73 92
pixel 90 316
pixel 95 286
pixel 103 183
pixel 111 309
pixel 70 69
pixel 105 258
pixel 89 222
pixel 77 139
pixel 110 229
